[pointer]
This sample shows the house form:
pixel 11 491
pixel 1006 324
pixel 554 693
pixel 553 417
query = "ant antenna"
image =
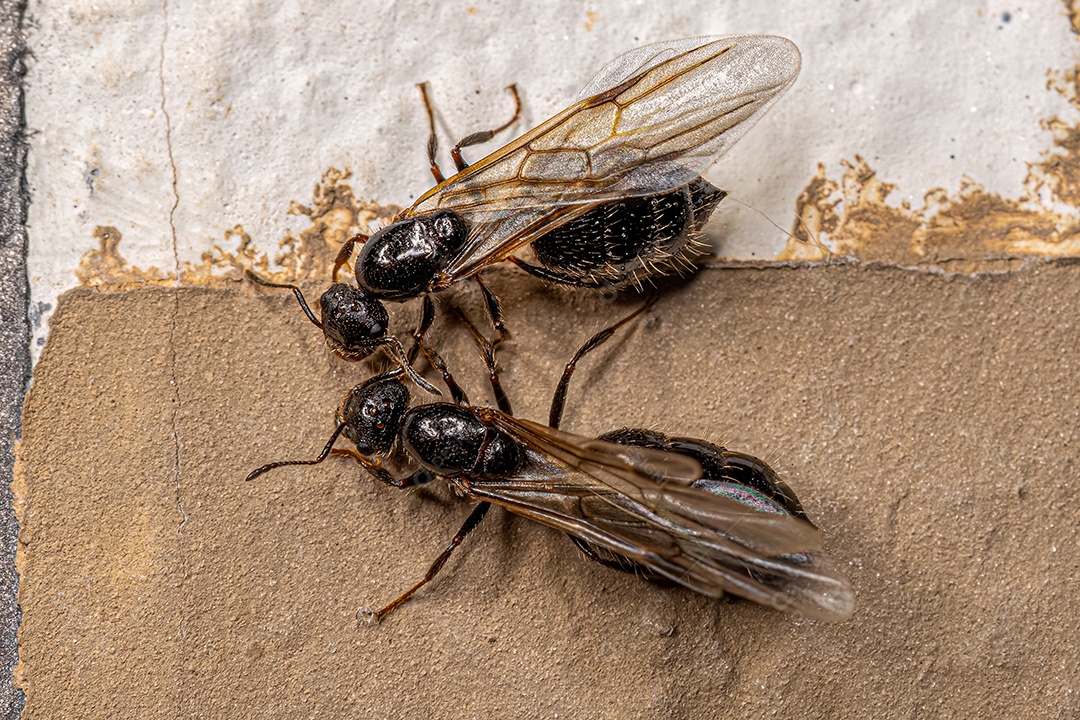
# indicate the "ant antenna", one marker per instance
pixel 402 359
pixel 285 286
pixel 322 456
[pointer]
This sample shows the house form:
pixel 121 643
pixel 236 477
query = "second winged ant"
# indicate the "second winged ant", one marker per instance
pixel 675 509
pixel 604 194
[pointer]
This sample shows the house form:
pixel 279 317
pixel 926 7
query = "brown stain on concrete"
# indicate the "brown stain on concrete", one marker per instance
pixel 334 212
pixel 1072 9
pixel 106 269
pixel 966 231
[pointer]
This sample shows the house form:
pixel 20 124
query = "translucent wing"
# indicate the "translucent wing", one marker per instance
pixel 641 504
pixel 652 120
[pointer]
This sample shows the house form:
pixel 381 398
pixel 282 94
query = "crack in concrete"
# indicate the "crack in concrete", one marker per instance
pixel 176 400
pixel 176 266
pixel 176 269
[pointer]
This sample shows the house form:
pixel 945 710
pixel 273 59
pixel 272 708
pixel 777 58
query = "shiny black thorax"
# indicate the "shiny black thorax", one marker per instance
pixel 402 260
pixel 450 439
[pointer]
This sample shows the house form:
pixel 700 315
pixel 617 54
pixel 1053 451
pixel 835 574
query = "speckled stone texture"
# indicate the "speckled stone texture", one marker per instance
pixel 929 424
pixel 14 327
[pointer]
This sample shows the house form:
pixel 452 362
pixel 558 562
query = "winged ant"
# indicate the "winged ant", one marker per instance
pixel 677 509
pixel 604 194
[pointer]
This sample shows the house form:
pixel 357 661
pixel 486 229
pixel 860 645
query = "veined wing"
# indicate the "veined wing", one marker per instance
pixel 640 503
pixel 655 118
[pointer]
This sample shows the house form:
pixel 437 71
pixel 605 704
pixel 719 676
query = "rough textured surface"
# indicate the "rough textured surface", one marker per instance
pixel 201 127
pixel 928 423
pixel 14 326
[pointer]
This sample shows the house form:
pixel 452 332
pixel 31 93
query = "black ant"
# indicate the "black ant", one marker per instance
pixel 682 510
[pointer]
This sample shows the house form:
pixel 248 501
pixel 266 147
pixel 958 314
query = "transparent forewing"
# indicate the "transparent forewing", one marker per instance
pixel 659 116
pixel 659 485
pixel 640 504
pixel 639 60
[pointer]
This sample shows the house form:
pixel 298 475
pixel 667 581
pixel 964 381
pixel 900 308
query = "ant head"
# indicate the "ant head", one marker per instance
pixel 353 321
pixel 372 413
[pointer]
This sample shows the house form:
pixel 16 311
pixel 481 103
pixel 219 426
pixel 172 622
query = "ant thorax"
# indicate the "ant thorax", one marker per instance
pixel 401 261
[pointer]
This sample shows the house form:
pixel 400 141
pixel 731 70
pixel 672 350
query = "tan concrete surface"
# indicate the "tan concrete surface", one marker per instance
pixel 929 424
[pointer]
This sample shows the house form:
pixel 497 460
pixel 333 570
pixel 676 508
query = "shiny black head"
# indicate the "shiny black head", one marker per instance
pixel 401 261
pixel 353 321
pixel 372 414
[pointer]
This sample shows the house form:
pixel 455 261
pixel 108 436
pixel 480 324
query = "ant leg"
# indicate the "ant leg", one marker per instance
pixel 285 286
pixel 470 524
pixel 346 251
pixel 398 353
pixel 559 399
pixel 427 316
pixel 456 393
pixel 433 139
pixel 487 348
pixel 494 308
pixel 485 135
pixel 420 477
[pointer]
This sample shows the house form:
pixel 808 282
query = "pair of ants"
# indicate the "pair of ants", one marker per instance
pixel 602 195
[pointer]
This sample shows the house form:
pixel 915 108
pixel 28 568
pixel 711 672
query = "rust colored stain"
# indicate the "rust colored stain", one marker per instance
pixel 590 20
pixel 969 230
pixel 105 268
pixel 1072 9
pixel 336 215
pixel 334 212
